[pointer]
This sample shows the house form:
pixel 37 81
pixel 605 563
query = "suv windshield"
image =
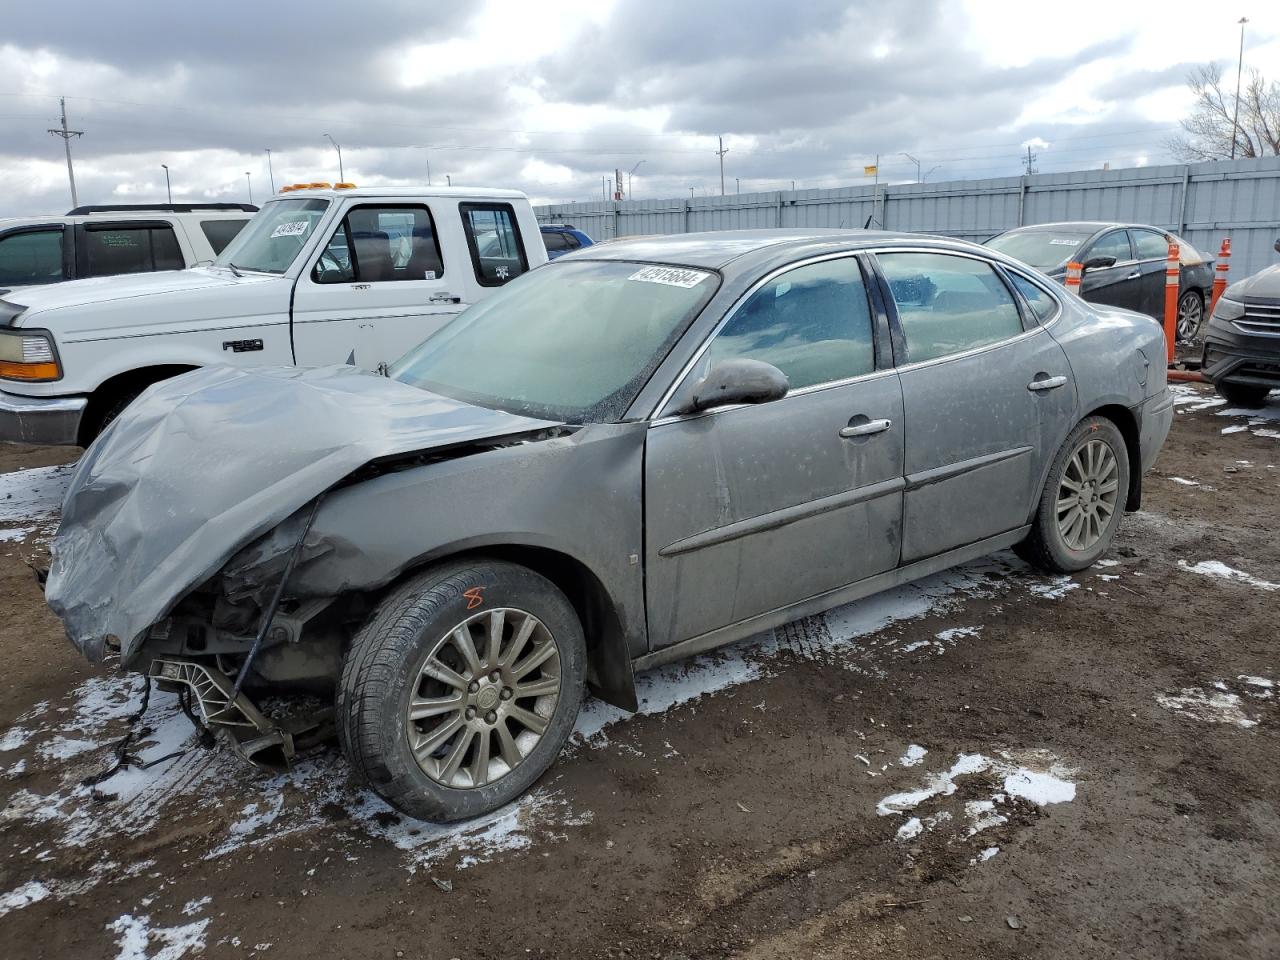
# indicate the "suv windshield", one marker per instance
pixel 1042 249
pixel 572 341
pixel 272 240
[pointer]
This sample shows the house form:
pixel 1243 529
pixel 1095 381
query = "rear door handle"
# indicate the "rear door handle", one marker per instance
pixel 443 298
pixel 1135 275
pixel 866 429
pixel 1050 383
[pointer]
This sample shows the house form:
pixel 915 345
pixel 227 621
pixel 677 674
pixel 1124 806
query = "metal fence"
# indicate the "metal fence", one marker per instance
pixel 1202 202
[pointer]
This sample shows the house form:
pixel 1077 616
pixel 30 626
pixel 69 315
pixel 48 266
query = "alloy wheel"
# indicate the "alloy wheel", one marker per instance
pixel 1190 313
pixel 483 698
pixel 1088 494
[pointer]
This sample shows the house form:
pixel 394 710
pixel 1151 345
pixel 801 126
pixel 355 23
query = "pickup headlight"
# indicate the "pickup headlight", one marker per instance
pixel 28 355
pixel 1228 309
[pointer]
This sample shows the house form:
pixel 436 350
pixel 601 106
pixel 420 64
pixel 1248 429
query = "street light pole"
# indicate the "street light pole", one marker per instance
pixel 720 153
pixel 250 183
pixel 341 173
pixel 1235 121
pixel 271 175
pixel 167 189
pixel 917 163
pixel 630 174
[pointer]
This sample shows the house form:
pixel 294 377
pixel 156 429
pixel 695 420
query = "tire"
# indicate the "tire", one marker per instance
pixel 410 650
pixel 112 408
pixel 1190 316
pixel 1242 395
pixel 1049 546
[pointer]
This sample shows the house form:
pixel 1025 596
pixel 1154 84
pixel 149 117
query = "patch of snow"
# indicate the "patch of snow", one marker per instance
pixel 955 633
pixel 984 856
pixel 1269 434
pixel 135 936
pixel 194 906
pixel 910 830
pixel 1040 787
pixel 1237 428
pixel 915 755
pixel 1056 589
pixel 62 748
pixel 31 892
pixel 1210 707
pixel 1261 415
pixel 1215 568
pixel 982 815
pixel 1185 482
pixel 15 534
pixel 14 738
pixel 940 784
pixel 1259 687
pixel 1107 563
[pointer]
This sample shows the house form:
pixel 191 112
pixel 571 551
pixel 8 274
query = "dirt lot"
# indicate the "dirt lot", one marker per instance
pixel 989 764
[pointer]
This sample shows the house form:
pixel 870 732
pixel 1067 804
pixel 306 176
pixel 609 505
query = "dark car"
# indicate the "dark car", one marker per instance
pixel 1124 265
pixel 562 238
pixel 765 425
pixel 1242 342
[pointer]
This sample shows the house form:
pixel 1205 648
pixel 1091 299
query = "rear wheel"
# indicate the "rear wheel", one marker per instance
pixel 1083 499
pixel 1190 316
pixel 462 689
pixel 1242 395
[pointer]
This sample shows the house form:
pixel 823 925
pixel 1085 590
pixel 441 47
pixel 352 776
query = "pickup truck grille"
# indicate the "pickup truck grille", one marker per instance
pixel 1260 318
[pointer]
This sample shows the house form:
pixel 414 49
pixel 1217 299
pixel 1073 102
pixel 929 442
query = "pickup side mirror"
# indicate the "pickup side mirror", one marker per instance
pixel 1098 263
pixel 734 381
pixel 1277 246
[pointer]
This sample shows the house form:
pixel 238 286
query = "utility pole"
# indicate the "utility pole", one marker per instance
pixel 341 173
pixel 604 189
pixel 1235 119
pixel 428 158
pixel 250 183
pixel 448 180
pixel 720 153
pixel 691 193
pixel 66 136
pixel 271 176
pixel 917 163
pixel 737 185
pixel 167 189
pixel 1030 161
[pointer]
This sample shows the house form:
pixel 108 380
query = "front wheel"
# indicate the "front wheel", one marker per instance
pixel 461 689
pixel 1080 508
pixel 1242 395
pixel 1190 316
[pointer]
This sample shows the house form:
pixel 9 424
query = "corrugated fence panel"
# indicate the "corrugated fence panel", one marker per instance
pixel 1203 201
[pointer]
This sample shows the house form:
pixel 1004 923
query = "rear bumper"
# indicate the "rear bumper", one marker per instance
pixel 1234 357
pixel 45 420
pixel 1156 418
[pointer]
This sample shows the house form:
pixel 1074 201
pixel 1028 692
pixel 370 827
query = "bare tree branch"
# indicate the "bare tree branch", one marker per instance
pixel 1211 130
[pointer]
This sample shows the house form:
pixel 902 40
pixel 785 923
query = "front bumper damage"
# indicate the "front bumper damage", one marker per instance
pixel 263 741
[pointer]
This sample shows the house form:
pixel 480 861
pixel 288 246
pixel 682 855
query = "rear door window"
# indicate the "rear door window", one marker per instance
pixel 949 304
pixel 555 242
pixel 220 232
pixel 497 252
pixel 1114 244
pixel 32 256
pixel 1042 305
pixel 110 249
pixel 1151 245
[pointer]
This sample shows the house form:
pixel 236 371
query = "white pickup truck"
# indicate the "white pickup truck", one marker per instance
pixel 321 275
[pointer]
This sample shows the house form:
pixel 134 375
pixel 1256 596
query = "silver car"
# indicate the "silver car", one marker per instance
pixel 642 451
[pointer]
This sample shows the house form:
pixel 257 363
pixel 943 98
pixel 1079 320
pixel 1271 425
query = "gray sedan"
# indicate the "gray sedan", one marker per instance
pixel 642 451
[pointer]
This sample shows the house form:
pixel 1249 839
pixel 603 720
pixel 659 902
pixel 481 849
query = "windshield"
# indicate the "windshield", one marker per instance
pixel 272 240
pixel 1042 249
pixel 573 341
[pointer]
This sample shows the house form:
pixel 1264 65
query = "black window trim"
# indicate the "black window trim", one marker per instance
pixel 1133 253
pixel 101 226
pixel 466 207
pixel 344 226
pixel 68 244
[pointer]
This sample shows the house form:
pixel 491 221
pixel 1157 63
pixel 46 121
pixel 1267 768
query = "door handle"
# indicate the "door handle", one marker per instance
pixel 1135 275
pixel 866 429
pixel 1049 383
pixel 443 298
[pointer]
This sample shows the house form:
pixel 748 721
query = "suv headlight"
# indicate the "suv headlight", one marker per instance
pixel 28 355
pixel 1228 309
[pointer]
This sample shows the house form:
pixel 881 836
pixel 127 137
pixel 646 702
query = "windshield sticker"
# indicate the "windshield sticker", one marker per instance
pixel 671 276
pixel 1065 243
pixel 293 228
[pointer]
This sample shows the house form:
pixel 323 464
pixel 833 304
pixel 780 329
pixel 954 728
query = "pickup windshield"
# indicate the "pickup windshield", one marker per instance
pixel 272 240
pixel 572 341
pixel 1042 249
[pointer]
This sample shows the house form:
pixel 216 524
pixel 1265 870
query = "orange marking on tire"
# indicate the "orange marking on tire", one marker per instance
pixel 474 597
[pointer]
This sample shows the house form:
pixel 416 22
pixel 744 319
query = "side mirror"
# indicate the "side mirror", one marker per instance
pixel 1098 263
pixel 734 381
pixel 1277 246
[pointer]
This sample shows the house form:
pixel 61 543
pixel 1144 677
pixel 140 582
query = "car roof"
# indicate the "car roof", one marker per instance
pixel 1092 226
pixel 750 248
pixel 407 190
pixel 124 215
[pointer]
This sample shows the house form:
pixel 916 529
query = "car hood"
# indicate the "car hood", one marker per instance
pixel 98 290
pixel 1263 285
pixel 204 463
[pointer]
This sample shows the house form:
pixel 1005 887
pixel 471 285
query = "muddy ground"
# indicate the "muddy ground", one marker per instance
pixel 993 763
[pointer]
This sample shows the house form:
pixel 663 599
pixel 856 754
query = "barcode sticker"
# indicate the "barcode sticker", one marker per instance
pixel 671 276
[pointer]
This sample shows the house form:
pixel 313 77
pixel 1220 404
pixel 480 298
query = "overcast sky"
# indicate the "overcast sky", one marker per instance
pixel 551 97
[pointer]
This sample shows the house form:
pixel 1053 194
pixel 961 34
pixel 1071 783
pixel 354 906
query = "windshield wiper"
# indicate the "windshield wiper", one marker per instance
pixel 232 267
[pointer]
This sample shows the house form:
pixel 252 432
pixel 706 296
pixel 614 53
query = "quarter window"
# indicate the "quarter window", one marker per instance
pixel 1042 305
pixel 948 304
pixel 496 251
pixel 33 256
pixel 812 323
pixel 110 250
pixel 1151 245
pixel 555 242
pixel 1114 244
pixel 380 244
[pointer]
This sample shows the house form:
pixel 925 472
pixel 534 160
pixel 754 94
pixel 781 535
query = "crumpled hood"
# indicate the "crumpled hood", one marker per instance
pixel 202 464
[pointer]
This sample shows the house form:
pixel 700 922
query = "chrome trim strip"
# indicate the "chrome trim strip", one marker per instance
pixel 781 518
